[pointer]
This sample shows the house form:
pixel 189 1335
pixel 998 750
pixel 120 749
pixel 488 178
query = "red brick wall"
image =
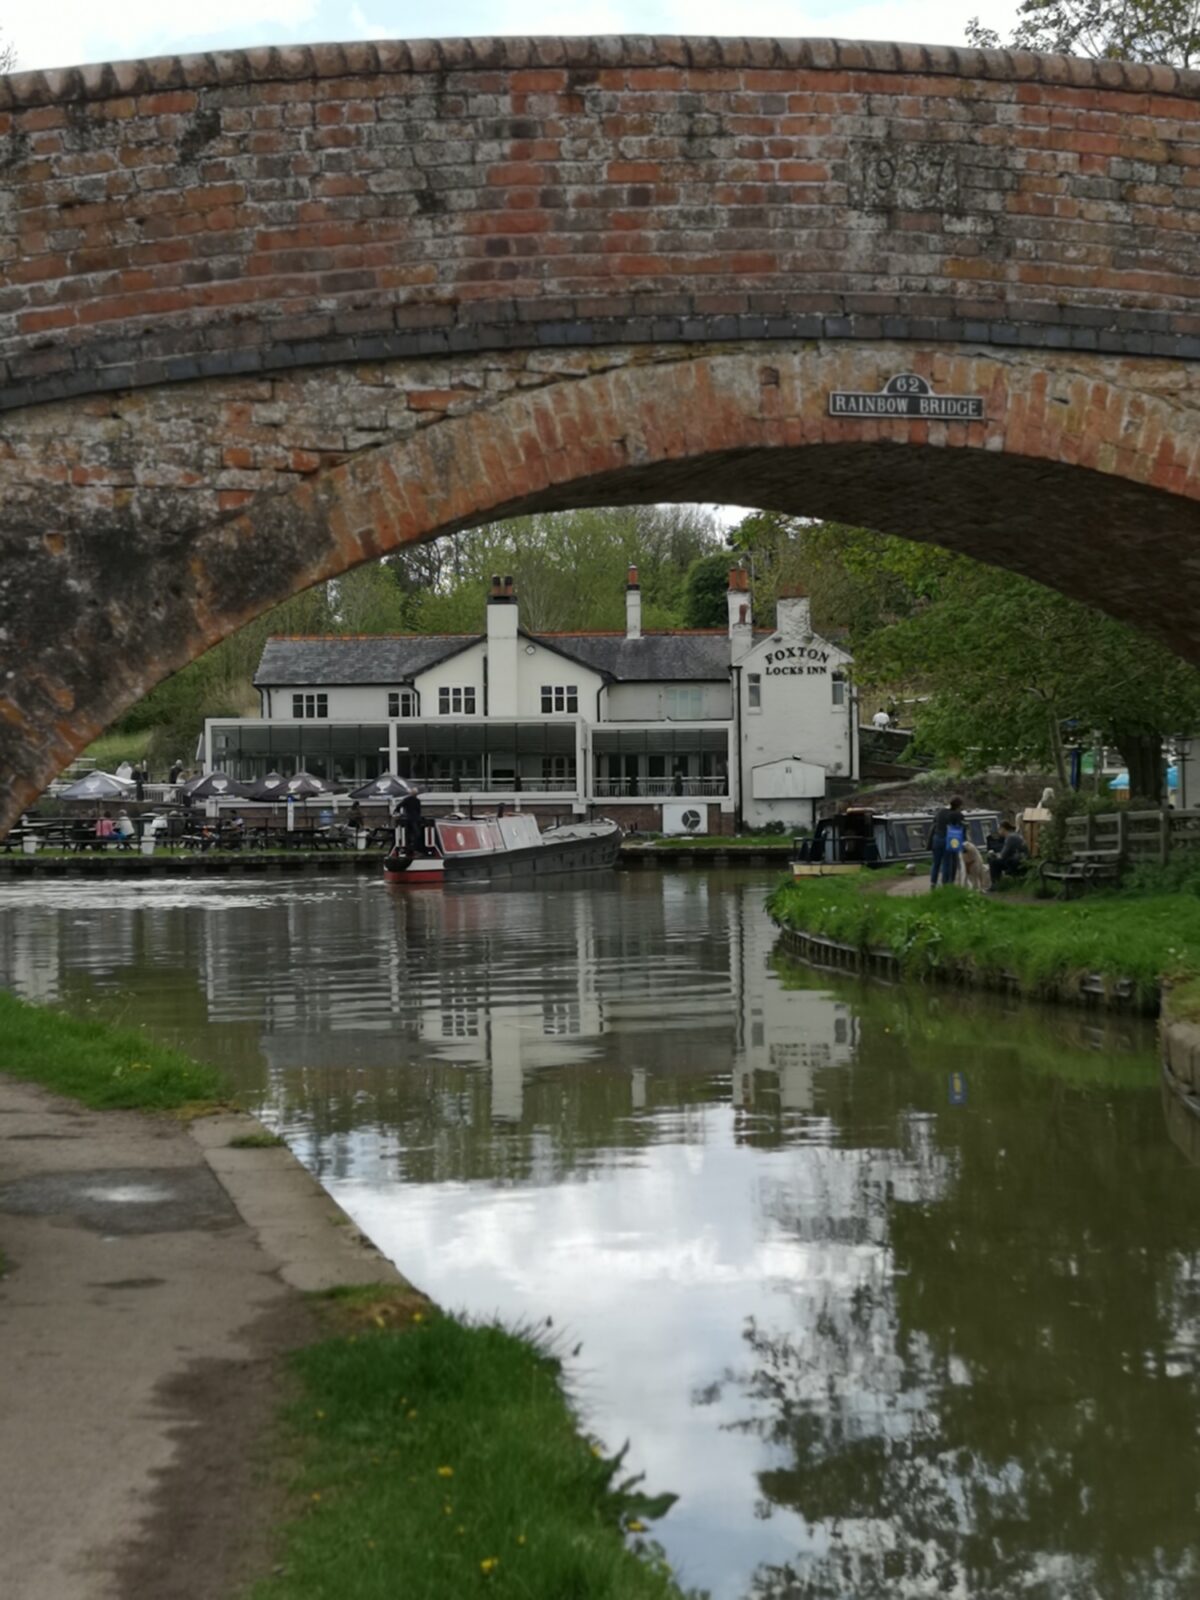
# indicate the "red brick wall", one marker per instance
pixel 259 210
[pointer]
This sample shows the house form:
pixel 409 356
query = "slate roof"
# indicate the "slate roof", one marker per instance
pixel 360 658
pixel 399 658
pixel 654 658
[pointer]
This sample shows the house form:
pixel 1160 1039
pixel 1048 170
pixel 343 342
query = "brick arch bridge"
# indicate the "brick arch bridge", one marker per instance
pixel 265 314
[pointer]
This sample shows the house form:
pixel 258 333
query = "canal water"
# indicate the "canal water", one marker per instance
pixel 899 1292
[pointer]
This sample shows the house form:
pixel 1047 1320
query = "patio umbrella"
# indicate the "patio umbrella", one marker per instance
pixel 385 787
pixel 96 786
pixel 303 786
pixel 214 786
pixel 272 787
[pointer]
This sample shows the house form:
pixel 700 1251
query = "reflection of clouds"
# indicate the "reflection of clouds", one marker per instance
pixel 655 1262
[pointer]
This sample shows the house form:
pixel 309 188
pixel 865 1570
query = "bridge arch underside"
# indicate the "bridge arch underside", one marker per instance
pixel 127 551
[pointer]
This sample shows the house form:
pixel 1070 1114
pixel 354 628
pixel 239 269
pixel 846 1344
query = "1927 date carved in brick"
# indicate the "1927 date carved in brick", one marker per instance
pixel 887 175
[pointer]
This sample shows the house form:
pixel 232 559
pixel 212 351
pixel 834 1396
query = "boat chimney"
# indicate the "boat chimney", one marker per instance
pixel 633 606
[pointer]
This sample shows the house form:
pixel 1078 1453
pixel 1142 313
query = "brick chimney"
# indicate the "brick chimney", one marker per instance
pixel 502 618
pixel 633 606
pixel 741 627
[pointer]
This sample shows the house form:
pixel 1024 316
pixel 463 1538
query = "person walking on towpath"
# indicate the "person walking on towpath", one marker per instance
pixel 946 839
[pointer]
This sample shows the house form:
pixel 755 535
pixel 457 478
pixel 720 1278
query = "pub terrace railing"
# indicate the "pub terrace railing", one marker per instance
pixel 657 788
pixel 1136 835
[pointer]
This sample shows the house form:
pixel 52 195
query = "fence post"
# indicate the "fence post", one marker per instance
pixel 1089 835
pixel 1165 836
pixel 1122 821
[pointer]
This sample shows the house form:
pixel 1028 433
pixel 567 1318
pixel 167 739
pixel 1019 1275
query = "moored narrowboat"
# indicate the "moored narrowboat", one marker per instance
pixel 863 837
pixel 502 848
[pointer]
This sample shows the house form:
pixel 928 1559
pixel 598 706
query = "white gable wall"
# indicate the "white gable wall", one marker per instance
pixel 547 666
pixel 465 670
pixel 796 718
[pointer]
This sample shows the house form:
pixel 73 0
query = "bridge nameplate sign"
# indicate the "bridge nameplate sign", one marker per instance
pixel 907 395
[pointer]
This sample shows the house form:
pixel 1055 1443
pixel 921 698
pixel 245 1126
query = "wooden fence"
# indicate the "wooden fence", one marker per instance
pixel 1138 835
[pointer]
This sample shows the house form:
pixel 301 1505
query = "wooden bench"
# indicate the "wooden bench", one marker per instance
pixel 1086 869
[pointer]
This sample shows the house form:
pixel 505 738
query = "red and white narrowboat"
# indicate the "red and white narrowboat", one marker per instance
pixel 502 848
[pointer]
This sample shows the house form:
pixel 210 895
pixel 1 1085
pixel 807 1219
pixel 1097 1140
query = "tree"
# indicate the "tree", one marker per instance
pixel 8 55
pixel 1001 665
pixel 1122 30
pixel 704 592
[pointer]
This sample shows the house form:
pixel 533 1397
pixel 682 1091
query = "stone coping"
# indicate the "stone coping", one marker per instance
pixel 271 63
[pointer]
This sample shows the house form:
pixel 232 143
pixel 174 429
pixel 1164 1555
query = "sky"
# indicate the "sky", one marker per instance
pixel 67 32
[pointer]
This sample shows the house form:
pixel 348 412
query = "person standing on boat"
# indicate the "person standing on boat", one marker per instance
pixel 945 840
pixel 414 825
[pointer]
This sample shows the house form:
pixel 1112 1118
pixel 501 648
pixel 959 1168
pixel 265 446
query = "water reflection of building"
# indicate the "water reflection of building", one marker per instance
pixel 786 1036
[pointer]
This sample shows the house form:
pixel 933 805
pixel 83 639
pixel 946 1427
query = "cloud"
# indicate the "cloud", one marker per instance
pixel 78 30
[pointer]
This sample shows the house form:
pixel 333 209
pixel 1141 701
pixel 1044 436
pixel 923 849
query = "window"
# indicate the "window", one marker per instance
pixel 838 682
pixel 558 769
pixel 559 697
pixel 685 704
pixel 402 703
pixel 456 702
pixel 310 705
pixel 754 691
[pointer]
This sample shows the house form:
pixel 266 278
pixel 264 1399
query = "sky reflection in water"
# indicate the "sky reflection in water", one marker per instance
pixel 899 1293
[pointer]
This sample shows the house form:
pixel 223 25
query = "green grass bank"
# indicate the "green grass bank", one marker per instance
pixel 440 1458
pixel 1143 935
pixel 106 1068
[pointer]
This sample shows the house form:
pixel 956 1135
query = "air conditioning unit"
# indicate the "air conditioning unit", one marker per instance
pixel 684 816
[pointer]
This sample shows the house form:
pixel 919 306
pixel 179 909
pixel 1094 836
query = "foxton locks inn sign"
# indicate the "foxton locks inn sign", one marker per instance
pixel 907 395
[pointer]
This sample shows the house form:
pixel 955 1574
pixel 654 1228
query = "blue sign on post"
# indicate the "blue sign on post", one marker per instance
pixel 957 1093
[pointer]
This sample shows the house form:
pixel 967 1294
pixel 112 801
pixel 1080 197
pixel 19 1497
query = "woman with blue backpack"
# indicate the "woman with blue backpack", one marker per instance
pixel 946 839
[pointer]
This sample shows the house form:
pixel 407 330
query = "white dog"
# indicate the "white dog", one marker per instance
pixel 972 869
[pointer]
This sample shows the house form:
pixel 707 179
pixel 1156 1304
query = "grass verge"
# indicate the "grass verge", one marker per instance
pixel 105 1067
pixel 1143 938
pixel 440 1458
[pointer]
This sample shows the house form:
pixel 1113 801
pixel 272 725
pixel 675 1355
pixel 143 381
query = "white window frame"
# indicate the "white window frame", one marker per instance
pixel 402 703
pixel 754 691
pixel 560 698
pixel 456 700
pixel 837 688
pixel 309 706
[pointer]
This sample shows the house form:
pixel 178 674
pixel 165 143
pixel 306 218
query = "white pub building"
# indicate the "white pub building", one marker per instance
pixel 696 731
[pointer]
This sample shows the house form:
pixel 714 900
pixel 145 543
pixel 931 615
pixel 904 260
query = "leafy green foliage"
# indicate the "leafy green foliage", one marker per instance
pixel 705 591
pixel 445 1458
pixel 1120 30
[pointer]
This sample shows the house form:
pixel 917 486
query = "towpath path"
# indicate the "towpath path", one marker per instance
pixel 153 1280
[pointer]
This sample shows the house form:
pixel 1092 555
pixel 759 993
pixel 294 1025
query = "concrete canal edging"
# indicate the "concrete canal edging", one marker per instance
pixel 1087 988
pixel 131 864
